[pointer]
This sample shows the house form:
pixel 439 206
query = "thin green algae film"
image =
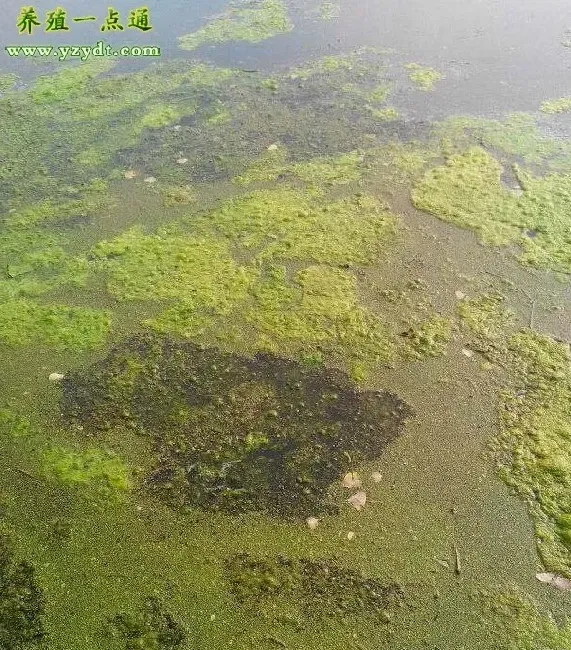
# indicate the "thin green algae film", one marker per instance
pixel 219 319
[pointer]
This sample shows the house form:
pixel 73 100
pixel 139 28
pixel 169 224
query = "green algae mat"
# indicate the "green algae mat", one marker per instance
pixel 285 365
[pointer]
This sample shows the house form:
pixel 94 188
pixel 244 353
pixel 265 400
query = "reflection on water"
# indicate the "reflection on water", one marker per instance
pixel 268 328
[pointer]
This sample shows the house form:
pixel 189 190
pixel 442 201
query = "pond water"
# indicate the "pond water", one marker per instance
pixel 284 328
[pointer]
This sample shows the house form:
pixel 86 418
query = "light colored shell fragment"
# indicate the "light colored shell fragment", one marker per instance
pixel 312 522
pixel 559 582
pixel 358 500
pixel 351 480
pixel 56 376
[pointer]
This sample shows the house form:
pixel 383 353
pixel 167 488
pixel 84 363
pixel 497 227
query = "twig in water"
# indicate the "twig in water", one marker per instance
pixel 26 474
pixel 457 565
pixel 532 314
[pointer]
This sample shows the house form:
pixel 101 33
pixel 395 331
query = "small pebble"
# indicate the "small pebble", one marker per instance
pixel 182 161
pixel 376 477
pixel 350 535
pixel 460 295
pixel 56 376
pixel 273 147
pixel 150 179
pixel 130 173
pixel 467 353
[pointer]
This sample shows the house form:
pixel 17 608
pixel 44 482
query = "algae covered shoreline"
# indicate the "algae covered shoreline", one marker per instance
pixel 285 367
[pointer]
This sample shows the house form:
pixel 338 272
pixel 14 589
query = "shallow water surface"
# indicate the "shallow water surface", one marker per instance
pixel 284 329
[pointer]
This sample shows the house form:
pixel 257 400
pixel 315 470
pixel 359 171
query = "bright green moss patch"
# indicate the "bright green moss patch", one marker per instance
pixel 535 433
pixel 23 322
pixel 469 192
pixel 428 339
pixel 103 471
pixel 171 265
pixel 562 105
pixel 21 602
pixel 321 588
pixel 485 316
pixel 423 77
pixel 247 20
pixel 294 225
pixel 227 430
pixel 318 312
pixel 152 627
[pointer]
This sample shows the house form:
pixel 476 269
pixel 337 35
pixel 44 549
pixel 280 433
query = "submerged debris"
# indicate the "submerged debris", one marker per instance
pixel 21 603
pixel 234 433
pixel 151 627
pixel 320 588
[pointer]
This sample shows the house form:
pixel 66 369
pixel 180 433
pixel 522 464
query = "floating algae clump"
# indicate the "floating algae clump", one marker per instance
pixel 329 10
pixel 518 135
pixel 518 624
pixel 318 312
pixel 423 77
pixel 23 322
pixel 232 433
pixel 384 114
pixel 428 339
pixel 13 424
pixel 70 82
pixel 290 224
pixel 485 316
pixel 21 603
pixel 535 436
pixel 249 20
pixel 150 628
pixel 104 471
pixel 169 264
pixel 562 105
pixel 321 588
pixel 322 170
pixel 468 191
